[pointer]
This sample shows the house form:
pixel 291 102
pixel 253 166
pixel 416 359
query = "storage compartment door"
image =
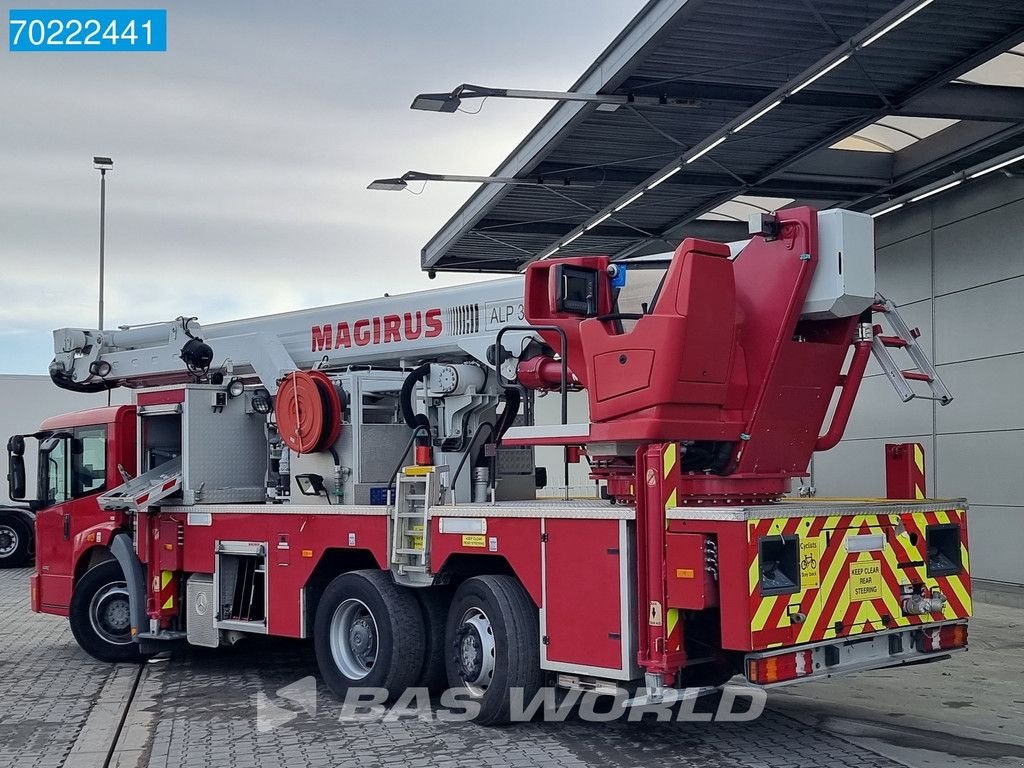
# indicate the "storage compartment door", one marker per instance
pixel 586 616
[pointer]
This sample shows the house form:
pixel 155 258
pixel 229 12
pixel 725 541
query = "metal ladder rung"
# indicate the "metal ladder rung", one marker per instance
pixel 916 376
pixel 408 551
pixel 411 515
pixel 894 341
pixel 904 337
pixel 415 496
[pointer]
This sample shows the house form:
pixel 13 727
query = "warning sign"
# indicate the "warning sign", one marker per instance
pixel 865 580
pixel 810 554
pixel 474 541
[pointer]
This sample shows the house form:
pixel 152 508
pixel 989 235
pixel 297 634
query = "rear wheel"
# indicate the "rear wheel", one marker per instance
pixel 368 633
pixel 15 542
pixel 492 640
pixel 100 614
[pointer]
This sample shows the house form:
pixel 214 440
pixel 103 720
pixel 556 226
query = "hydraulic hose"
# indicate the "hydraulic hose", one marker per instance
pixel 62 380
pixel 513 399
pixel 416 421
pixel 391 482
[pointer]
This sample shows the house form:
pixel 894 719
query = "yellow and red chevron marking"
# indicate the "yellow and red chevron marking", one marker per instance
pixel 918 471
pixel 168 588
pixel 670 457
pixel 824 600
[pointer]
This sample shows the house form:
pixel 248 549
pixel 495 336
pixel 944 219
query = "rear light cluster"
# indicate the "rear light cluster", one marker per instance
pixel 776 669
pixel 944 638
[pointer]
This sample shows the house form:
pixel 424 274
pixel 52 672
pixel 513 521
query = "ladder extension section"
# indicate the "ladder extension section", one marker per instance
pixel 145 490
pixel 904 337
pixel 416 492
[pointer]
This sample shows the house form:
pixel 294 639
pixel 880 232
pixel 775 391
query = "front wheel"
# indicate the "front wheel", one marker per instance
pixel 100 614
pixel 493 643
pixel 368 633
pixel 15 542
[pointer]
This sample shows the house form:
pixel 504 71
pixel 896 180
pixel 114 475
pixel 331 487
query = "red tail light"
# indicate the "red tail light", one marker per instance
pixel 779 668
pixel 944 638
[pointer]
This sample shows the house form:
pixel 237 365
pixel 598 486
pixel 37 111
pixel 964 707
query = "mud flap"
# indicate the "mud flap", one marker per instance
pixel 123 551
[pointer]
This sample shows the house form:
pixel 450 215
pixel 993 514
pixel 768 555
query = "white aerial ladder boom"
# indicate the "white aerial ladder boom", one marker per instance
pixel 448 324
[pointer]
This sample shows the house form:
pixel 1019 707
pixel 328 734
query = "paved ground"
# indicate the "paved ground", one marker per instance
pixel 59 708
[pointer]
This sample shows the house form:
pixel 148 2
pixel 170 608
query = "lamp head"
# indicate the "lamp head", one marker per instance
pixel 436 102
pixel 388 185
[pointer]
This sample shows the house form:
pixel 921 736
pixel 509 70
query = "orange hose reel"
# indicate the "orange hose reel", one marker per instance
pixel 309 411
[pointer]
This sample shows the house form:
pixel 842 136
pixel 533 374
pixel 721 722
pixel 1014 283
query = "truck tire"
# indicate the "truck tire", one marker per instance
pixel 15 542
pixel 434 601
pixel 493 641
pixel 368 633
pixel 100 615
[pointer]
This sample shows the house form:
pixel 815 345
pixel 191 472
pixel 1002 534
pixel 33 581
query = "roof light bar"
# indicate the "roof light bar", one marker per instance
pixel 631 200
pixel 756 117
pixel 937 190
pixel 595 222
pixel 667 176
pixel 890 27
pixel 706 149
pixel 884 211
pixel 821 74
pixel 997 166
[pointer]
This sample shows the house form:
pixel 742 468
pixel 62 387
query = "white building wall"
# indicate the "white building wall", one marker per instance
pixel 956 268
pixel 25 401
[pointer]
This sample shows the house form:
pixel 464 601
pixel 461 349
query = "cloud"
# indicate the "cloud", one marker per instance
pixel 242 154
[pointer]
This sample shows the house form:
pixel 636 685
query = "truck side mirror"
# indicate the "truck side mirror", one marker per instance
pixel 16 476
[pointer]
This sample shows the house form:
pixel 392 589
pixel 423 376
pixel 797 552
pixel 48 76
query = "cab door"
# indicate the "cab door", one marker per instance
pixel 72 473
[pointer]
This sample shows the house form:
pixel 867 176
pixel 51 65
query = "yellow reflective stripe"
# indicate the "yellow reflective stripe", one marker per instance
pixel 962 595
pixel 671 622
pixel 919 463
pixel 763 610
pixel 169 603
pixel 165 578
pixel 669 458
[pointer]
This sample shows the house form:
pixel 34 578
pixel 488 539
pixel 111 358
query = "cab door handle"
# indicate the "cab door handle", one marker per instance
pixel 67 526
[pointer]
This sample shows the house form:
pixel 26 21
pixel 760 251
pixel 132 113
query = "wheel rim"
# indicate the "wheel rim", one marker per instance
pixel 8 540
pixel 354 639
pixel 110 614
pixel 474 651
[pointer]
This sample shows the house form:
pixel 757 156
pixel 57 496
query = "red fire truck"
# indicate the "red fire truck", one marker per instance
pixel 363 475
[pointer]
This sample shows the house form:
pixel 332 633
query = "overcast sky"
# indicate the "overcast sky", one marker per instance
pixel 243 153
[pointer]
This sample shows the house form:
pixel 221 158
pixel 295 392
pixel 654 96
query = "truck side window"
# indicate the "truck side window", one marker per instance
pixel 57 473
pixel 88 461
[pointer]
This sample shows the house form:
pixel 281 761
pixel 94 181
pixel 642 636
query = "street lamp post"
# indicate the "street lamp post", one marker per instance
pixel 102 164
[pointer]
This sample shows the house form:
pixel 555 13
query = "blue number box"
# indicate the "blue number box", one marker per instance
pixel 79 29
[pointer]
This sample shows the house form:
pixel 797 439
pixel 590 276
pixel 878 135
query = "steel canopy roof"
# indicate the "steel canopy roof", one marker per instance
pixel 730 61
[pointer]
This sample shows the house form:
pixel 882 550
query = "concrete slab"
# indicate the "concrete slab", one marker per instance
pixel 967 711
pixel 202 708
